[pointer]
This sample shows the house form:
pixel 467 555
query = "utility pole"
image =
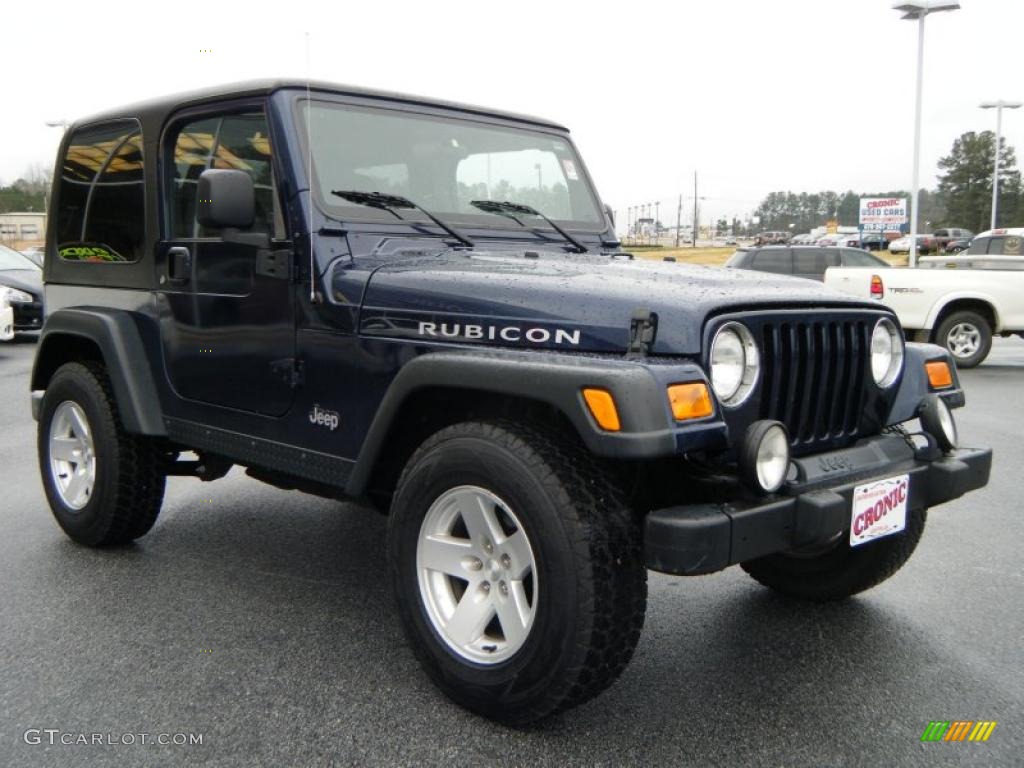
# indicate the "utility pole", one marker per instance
pixel 679 218
pixel 657 217
pixel 695 219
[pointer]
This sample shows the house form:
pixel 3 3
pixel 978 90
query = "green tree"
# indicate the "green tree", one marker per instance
pixel 965 182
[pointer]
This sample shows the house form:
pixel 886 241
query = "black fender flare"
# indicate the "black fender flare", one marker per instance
pixel 116 335
pixel 640 392
pixel 914 386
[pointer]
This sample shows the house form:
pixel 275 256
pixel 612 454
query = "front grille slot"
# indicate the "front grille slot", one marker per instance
pixel 814 373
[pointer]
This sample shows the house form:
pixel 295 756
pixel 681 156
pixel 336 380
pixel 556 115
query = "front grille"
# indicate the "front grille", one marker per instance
pixel 814 377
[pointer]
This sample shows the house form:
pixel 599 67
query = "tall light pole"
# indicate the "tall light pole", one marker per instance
pixel 998 106
pixel 916 10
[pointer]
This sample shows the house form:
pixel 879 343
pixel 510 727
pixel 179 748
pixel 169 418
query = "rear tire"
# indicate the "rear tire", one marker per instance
pixel 586 597
pixel 841 571
pixel 967 336
pixel 105 486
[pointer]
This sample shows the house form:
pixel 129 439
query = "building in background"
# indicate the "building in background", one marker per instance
pixel 21 230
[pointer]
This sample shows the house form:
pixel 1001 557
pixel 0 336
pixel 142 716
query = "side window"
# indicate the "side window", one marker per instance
pixel 101 198
pixel 813 261
pixel 777 260
pixel 238 142
pixel 860 259
pixel 1008 245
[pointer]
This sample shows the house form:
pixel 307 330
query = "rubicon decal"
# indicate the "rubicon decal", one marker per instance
pixel 958 730
pixel 508 333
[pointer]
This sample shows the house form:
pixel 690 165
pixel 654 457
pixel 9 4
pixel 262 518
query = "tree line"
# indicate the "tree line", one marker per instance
pixel 963 197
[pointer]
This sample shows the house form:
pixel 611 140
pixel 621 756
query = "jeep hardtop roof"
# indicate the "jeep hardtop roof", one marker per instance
pixel 160 107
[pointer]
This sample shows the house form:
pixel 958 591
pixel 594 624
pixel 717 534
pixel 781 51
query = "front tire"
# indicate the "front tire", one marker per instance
pixel 836 573
pixel 517 568
pixel 967 336
pixel 105 486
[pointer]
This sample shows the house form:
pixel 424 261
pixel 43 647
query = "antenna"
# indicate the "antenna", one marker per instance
pixel 309 181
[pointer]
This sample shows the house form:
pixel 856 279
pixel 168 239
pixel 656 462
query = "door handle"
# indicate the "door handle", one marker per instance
pixel 179 265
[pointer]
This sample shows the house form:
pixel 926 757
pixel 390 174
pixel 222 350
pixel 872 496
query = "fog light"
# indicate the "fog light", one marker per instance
pixel 764 456
pixel 937 420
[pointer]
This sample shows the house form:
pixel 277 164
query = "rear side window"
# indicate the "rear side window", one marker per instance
pixel 813 261
pixel 101 197
pixel 1004 245
pixel 239 142
pixel 777 260
pixel 862 259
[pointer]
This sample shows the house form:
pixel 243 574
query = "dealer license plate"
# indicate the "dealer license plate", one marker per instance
pixel 879 509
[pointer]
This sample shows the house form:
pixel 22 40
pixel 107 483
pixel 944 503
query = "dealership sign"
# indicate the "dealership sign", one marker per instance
pixel 883 213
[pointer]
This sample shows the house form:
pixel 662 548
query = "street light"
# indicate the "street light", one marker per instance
pixel 998 106
pixel 916 10
pixel 58 124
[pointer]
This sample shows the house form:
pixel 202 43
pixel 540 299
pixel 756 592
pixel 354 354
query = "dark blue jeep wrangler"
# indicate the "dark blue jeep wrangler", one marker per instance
pixel 424 306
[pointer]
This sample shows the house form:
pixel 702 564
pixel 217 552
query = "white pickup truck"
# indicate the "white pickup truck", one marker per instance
pixel 960 301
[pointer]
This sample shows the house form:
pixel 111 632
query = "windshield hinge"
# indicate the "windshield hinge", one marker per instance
pixel 643 327
pixel 292 371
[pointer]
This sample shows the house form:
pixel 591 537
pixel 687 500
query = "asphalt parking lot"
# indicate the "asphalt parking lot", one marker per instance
pixel 261 620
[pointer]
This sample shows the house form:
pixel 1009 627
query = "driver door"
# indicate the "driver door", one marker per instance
pixel 227 315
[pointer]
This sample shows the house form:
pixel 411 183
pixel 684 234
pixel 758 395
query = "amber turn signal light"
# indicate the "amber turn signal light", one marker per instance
pixel 690 401
pixel 939 375
pixel 602 408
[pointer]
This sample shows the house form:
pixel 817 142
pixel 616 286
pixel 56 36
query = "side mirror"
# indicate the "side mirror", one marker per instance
pixel 227 198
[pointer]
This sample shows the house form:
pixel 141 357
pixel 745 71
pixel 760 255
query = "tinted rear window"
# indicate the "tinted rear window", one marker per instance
pixel 862 259
pixel 777 260
pixel 813 261
pixel 100 216
pixel 1000 245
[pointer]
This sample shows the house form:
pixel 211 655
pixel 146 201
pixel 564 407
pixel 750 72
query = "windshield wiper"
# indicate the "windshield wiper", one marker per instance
pixel 510 210
pixel 392 203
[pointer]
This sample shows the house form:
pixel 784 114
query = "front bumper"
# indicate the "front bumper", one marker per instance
pixel 815 507
pixel 28 316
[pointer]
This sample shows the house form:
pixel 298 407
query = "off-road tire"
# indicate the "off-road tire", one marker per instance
pixel 842 571
pixel 588 547
pixel 129 485
pixel 979 322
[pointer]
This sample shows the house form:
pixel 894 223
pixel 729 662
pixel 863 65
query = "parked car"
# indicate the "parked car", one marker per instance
pixel 34 254
pixel 6 317
pixel 830 241
pixel 925 244
pixel 542 421
pixel 771 238
pixel 874 241
pixel 25 283
pixel 944 236
pixel 959 244
pixel 808 261
pixel 954 303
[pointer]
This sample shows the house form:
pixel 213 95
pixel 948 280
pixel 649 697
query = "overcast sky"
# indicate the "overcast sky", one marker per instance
pixel 755 95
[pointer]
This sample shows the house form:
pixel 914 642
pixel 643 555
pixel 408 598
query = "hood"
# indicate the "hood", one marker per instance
pixel 28 280
pixel 574 302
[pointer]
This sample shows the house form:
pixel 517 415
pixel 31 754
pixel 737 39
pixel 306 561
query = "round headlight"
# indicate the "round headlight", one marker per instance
pixel 886 353
pixel 764 456
pixel 937 420
pixel 734 364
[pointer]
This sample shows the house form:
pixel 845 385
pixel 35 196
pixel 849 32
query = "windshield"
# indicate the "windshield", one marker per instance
pixel 443 165
pixel 11 259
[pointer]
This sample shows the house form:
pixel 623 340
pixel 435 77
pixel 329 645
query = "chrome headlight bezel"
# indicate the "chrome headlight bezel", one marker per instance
pixel 733 387
pixel 887 343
